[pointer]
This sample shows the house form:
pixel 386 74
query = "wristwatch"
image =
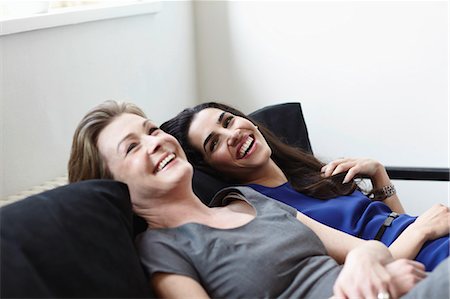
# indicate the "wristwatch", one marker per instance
pixel 382 193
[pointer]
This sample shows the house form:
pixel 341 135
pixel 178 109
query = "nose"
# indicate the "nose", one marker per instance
pixel 234 137
pixel 152 144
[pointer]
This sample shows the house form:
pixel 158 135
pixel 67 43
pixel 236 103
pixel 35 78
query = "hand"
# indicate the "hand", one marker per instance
pixel 355 166
pixel 434 223
pixel 364 274
pixel 405 275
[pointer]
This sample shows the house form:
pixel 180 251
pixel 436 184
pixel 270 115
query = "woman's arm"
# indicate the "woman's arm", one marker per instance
pixel 374 169
pixel 432 224
pixel 168 285
pixel 380 178
pixel 337 243
pixel 365 272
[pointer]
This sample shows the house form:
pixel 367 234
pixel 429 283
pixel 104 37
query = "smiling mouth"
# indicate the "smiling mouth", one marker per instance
pixel 165 162
pixel 245 148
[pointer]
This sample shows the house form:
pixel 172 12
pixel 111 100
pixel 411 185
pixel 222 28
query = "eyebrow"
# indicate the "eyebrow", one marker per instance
pixel 144 124
pixel 211 135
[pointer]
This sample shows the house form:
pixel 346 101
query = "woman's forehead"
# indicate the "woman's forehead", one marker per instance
pixel 204 118
pixel 207 115
pixel 125 118
pixel 119 127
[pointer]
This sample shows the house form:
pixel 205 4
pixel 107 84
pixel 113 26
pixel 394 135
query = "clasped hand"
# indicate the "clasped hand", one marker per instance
pixel 363 276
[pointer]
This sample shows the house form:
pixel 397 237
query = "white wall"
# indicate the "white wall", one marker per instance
pixel 372 76
pixel 51 77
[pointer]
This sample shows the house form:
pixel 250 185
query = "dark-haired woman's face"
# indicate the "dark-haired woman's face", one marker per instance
pixel 229 143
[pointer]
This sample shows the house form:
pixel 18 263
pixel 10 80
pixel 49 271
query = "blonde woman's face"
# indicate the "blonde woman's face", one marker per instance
pixel 229 143
pixel 139 154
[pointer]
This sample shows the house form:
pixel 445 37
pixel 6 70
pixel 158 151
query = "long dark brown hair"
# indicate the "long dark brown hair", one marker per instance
pixel 301 168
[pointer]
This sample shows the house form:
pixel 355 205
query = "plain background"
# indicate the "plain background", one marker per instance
pixel 372 77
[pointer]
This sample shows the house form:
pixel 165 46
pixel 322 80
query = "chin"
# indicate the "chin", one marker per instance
pixel 184 173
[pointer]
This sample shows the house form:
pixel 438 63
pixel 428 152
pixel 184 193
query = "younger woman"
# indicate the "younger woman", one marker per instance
pixel 224 142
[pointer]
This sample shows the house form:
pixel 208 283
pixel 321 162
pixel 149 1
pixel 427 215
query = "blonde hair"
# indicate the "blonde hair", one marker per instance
pixel 85 161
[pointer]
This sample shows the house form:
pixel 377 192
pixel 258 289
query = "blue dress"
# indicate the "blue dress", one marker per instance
pixel 358 216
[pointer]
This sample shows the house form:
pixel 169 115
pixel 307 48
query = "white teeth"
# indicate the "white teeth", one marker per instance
pixel 245 146
pixel 165 161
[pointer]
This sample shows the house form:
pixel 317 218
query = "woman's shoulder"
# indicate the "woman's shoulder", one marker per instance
pixel 253 197
pixel 235 192
pixel 152 235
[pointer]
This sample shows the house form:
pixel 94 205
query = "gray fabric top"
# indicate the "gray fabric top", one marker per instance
pixel 274 255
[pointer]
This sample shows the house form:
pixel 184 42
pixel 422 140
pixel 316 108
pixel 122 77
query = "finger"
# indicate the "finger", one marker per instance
pixel 352 172
pixel 421 274
pixel 417 265
pixel 350 292
pixel 393 293
pixel 418 269
pixel 343 167
pixel 338 292
pixel 348 177
pixel 328 169
pixel 380 283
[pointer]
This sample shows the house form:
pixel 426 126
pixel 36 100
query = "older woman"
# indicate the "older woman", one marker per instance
pixel 245 245
pixel 223 141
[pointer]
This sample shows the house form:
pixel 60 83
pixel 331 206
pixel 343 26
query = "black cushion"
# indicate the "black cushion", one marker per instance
pixel 285 120
pixel 73 241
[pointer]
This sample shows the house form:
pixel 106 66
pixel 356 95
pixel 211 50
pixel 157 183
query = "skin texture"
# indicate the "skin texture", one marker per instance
pixel 222 151
pixel 135 151
pixel 132 148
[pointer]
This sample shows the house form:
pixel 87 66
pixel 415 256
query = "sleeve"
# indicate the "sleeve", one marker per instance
pixel 164 256
pixel 252 196
pixel 256 198
pixel 283 206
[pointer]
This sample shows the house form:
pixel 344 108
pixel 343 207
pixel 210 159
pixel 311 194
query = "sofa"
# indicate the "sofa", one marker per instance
pixel 74 241
pixel 77 240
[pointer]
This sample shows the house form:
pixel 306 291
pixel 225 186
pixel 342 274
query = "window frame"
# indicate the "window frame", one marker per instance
pixel 76 15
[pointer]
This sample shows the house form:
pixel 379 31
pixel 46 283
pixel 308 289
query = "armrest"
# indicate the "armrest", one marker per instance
pixel 418 173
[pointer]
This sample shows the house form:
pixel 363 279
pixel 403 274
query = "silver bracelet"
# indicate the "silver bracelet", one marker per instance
pixel 382 193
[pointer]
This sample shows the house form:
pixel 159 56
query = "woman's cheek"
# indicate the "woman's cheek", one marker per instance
pixel 224 155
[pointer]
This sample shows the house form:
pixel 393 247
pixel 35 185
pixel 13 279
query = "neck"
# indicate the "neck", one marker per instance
pixel 171 210
pixel 270 176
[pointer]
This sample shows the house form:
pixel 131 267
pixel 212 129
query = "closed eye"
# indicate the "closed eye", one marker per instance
pixel 130 147
pixel 152 130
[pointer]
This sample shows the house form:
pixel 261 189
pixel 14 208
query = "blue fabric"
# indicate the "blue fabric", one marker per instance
pixel 358 216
